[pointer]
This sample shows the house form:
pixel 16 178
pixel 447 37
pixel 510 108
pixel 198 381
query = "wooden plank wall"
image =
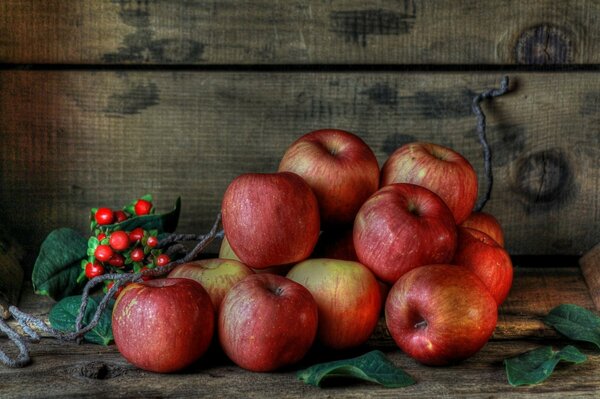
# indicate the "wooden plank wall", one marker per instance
pixel 103 101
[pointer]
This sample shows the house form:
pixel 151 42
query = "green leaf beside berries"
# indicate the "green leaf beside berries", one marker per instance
pixel 64 314
pixel 166 222
pixel 575 322
pixel 373 366
pixel 537 365
pixel 57 266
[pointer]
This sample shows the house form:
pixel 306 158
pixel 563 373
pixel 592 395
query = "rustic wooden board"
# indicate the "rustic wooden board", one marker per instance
pixel 300 32
pixel 590 267
pixel 72 140
pixel 11 271
pixel 69 370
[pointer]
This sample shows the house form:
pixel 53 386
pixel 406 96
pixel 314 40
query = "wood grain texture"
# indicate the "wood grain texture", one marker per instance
pixel 590 267
pixel 300 32
pixel 11 271
pixel 70 370
pixel 77 139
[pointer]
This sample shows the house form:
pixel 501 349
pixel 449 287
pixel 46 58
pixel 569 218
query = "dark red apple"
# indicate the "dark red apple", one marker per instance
pixel 487 259
pixel 348 297
pixel 403 226
pixel 440 314
pixel 163 325
pixel 487 223
pixel 225 252
pixel 270 219
pixel 217 276
pixel 340 168
pixel 438 168
pixel 267 322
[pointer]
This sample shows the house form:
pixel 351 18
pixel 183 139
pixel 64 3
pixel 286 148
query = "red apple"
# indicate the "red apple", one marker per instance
pixel 487 259
pixel 440 314
pixel 438 168
pixel 403 226
pixel 270 219
pixel 348 297
pixel 267 322
pixel 340 168
pixel 335 244
pixel 217 276
pixel 487 223
pixel 225 251
pixel 163 325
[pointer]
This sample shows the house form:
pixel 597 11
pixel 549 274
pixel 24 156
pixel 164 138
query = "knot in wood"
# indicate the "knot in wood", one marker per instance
pixel 544 176
pixel 543 45
pixel 100 371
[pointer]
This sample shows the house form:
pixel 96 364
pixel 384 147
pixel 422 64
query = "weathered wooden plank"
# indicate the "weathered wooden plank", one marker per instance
pixel 70 370
pixel 77 139
pixel 300 32
pixel 11 271
pixel 590 267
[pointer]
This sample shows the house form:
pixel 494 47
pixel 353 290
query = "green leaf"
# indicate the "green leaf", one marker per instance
pixel 166 222
pixel 537 365
pixel 372 366
pixel 575 322
pixel 59 263
pixel 64 314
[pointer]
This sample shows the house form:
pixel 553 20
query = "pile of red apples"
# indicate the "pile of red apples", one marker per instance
pixel 315 252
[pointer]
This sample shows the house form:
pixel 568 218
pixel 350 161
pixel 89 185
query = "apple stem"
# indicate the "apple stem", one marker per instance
pixel 481 125
pixel 30 323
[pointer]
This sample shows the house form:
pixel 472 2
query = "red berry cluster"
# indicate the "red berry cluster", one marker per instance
pixel 114 249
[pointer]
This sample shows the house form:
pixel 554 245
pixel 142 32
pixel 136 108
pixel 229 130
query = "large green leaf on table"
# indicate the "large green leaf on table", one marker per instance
pixel 372 366
pixel 167 222
pixel 58 264
pixel 64 314
pixel 575 322
pixel 537 365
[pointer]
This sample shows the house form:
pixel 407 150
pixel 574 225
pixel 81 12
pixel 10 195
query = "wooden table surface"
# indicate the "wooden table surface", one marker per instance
pixel 69 370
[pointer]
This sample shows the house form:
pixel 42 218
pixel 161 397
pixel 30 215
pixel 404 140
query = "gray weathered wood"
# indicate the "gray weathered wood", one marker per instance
pixel 590 267
pixel 77 139
pixel 11 271
pixel 300 32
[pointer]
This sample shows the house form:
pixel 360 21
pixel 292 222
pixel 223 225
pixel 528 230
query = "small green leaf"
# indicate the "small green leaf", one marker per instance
pixel 372 366
pixel 59 263
pixel 575 322
pixel 537 365
pixel 166 222
pixel 64 314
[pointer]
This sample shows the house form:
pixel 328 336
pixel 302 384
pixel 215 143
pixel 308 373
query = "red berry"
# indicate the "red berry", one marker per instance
pixel 93 269
pixel 103 253
pixel 120 216
pixel 137 254
pixel 101 236
pixel 104 216
pixel 162 260
pixel 117 260
pixel 152 241
pixel 119 240
pixel 136 234
pixel 142 207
